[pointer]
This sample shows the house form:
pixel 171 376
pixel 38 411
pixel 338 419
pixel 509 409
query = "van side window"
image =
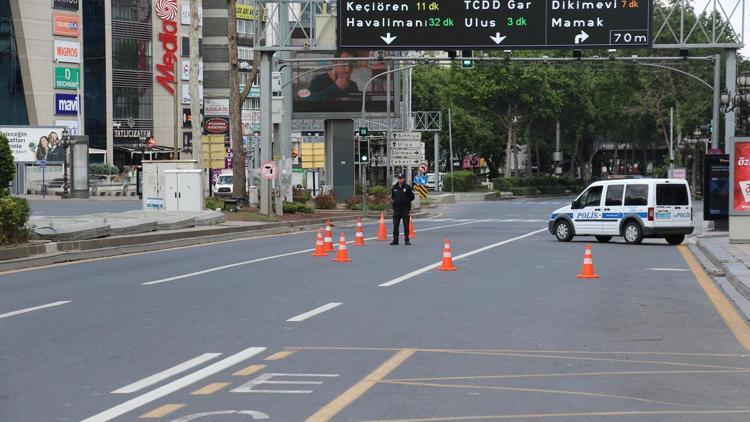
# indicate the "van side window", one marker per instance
pixel 593 197
pixel 671 194
pixel 614 195
pixel 636 195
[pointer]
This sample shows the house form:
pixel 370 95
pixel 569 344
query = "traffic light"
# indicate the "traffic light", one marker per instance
pixel 363 131
pixel 466 61
pixel 363 159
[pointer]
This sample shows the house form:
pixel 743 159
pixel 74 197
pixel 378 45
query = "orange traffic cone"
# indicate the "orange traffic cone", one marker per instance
pixel 328 240
pixel 447 264
pixel 359 239
pixel 342 255
pixel 411 228
pixel 320 249
pixel 382 231
pixel 587 271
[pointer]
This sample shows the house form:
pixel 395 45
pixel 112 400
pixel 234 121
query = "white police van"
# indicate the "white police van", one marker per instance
pixel 634 209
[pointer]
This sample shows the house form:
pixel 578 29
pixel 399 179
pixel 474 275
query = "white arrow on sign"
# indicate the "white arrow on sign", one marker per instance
pixel 583 36
pixel 388 38
pixel 497 38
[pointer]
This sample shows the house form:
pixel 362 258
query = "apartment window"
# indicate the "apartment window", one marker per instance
pixel 245 28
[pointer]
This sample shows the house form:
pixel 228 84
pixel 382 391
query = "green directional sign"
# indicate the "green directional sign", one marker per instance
pixel 67 78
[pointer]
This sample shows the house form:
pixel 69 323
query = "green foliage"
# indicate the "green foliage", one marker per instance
pixel 552 190
pixel 325 202
pixel 502 184
pixel 301 195
pixel 295 207
pixel 376 206
pixel 103 169
pixel 379 191
pixel 460 181
pixel 14 215
pixel 213 203
pixel 524 190
pixel 7 166
pixel 354 202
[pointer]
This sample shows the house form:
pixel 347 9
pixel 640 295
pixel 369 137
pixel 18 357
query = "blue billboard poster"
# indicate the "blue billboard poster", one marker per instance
pixel 716 187
pixel 66 104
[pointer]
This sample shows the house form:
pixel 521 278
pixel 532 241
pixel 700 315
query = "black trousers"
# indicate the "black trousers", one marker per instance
pixel 398 216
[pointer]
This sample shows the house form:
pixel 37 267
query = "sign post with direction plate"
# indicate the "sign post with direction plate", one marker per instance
pixel 486 24
pixel 406 149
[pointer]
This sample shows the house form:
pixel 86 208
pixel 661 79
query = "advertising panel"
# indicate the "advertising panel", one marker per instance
pixel 716 187
pixel 339 89
pixel 66 4
pixel 67 78
pixel 216 107
pixel 66 25
pixel 67 51
pixel 216 126
pixel 66 104
pixel 741 176
pixel 166 11
pixel 30 144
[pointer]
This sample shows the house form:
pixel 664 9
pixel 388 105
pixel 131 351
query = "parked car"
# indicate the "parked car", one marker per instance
pixel 224 185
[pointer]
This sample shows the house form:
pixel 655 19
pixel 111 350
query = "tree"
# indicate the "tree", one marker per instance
pixel 7 166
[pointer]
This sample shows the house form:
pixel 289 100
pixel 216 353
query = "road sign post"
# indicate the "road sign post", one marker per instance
pixel 487 24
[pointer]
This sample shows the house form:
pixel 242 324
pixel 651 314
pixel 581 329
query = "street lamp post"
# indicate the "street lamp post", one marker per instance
pixel 65 143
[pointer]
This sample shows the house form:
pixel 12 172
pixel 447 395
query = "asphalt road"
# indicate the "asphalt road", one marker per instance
pixel 259 329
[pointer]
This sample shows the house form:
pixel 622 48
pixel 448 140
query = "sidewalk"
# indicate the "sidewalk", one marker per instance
pixel 727 264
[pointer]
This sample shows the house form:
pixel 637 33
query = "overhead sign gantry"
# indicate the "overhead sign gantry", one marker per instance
pixel 493 24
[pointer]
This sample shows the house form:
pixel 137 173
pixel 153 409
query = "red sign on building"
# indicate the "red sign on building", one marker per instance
pixel 166 10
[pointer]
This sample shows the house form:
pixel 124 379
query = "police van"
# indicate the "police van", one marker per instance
pixel 634 209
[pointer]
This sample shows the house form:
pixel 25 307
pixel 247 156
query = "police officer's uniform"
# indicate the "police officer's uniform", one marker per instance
pixel 401 197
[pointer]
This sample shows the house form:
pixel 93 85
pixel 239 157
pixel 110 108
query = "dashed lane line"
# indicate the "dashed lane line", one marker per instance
pixel 457 258
pixel 284 255
pixel 167 373
pixel 210 389
pixel 175 385
pixel 162 411
pixel 309 314
pixel 35 308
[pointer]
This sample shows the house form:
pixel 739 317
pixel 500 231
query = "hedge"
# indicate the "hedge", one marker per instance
pixel 14 215
pixel 465 181
pixel 325 202
pixel 295 207
pixel 524 190
pixel 552 190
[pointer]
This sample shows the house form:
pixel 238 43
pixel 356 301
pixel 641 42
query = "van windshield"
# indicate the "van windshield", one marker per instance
pixel 669 194
pixel 224 180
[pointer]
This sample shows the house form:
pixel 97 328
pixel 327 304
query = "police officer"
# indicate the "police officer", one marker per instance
pixel 401 197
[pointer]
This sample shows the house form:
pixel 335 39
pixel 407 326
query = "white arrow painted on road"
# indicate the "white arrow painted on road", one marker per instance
pixel 388 38
pixel 497 38
pixel 583 36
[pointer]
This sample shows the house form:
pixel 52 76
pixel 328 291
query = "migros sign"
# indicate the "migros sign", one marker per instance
pixel 166 11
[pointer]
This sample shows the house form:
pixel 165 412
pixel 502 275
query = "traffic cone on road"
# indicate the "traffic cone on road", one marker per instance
pixel 587 271
pixel 447 264
pixel 411 228
pixel 342 255
pixel 319 247
pixel 359 239
pixel 382 231
pixel 328 240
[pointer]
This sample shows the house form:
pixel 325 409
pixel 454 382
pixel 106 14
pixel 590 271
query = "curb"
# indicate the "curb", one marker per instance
pixel 737 291
pixel 59 252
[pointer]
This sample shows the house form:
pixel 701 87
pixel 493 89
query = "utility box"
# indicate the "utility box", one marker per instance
pixel 154 183
pixel 183 190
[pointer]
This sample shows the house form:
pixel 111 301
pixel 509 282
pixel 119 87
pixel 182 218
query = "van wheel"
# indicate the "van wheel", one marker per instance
pixel 563 231
pixel 675 239
pixel 603 239
pixel 632 233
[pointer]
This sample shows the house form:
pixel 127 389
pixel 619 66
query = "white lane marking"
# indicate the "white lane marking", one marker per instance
pixel 668 269
pixel 175 385
pixel 161 376
pixel 283 255
pixel 316 311
pixel 248 387
pixel 254 414
pixel 457 258
pixel 35 308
